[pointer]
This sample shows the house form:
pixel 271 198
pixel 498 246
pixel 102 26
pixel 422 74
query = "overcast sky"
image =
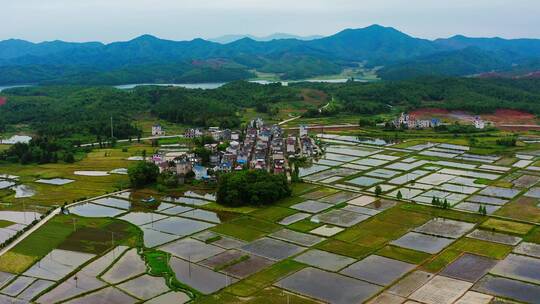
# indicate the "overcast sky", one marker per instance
pixel 114 20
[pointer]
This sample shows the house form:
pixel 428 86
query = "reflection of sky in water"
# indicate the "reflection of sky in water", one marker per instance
pixel 23 191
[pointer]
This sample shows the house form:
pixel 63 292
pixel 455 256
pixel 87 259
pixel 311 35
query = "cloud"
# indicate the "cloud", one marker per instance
pixel 111 20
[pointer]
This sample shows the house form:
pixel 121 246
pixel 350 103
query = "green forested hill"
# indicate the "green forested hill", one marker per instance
pixel 467 61
pixel 154 60
pixel 82 112
pixel 471 94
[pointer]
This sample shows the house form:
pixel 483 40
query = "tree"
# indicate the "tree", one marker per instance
pixel 168 179
pixel 204 154
pixel 445 204
pixel 251 187
pixel 378 190
pixel 483 210
pixel 143 173
pixel 399 196
pixel 69 158
pixel 366 122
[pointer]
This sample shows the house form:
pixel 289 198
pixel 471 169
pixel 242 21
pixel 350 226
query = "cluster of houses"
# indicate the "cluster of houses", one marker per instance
pixel 259 146
pixel 182 165
pixel 409 121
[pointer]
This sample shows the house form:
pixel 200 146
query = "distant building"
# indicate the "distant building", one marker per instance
pixel 214 159
pixel 226 135
pixel 193 133
pixel 410 122
pixel 256 123
pixel 157 130
pixel 183 166
pixel 479 123
pixel 291 145
pixel 201 173
pixel 303 131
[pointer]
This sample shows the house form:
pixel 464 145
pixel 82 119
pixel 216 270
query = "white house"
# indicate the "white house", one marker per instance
pixel 303 130
pixel 157 130
pixel 479 123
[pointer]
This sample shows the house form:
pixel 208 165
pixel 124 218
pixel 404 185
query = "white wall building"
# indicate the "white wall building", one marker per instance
pixel 157 130
pixel 479 123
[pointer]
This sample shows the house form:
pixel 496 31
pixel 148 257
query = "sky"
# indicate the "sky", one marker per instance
pixel 120 20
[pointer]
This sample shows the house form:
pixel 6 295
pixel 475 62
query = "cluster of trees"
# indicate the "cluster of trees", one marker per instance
pixel 77 114
pixel 470 94
pixel 145 173
pixel 251 187
pixel 40 150
pixel 508 141
pixel 142 174
pixel 482 210
pixel 437 202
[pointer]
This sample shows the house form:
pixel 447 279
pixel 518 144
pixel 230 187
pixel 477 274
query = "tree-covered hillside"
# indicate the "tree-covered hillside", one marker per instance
pixel 470 94
pixel 78 112
pixel 468 61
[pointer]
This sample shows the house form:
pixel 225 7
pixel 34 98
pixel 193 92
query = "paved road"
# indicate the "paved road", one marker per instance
pixel 288 120
pixel 30 231
pixel 142 138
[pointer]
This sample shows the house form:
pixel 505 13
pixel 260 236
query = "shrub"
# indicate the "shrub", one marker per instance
pixel 251 187
pixel 142 174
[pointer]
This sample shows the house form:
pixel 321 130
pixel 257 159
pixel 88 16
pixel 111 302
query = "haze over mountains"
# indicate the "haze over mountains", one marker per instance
pixel 232 38
pixel 150 59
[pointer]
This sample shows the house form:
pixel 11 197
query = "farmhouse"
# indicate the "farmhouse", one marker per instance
pixel 157 130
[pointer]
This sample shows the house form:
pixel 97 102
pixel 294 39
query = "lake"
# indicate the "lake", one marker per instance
pixel 13 86
pixel 215 85
pixel 204 86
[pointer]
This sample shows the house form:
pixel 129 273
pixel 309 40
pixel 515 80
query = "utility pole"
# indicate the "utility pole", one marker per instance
pixel 112 132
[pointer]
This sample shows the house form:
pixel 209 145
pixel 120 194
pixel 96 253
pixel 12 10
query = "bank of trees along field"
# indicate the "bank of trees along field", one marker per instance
pixel 82 114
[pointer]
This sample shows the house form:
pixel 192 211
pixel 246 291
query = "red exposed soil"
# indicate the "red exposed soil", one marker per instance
pixel 492 75
pixel 534 75
pixel 518 119
pixel 314 97
pixel 506 116
pixel 3 101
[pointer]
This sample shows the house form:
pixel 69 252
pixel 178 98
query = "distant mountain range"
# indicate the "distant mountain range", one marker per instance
pixel 232 38
pixel 150 59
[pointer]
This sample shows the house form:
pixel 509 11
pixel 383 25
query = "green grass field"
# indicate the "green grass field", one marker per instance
pixel 523 208
pixel 83 187
pixel 506 227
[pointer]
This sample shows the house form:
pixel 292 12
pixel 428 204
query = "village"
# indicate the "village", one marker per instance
pixel 410 121
pixel 258 146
